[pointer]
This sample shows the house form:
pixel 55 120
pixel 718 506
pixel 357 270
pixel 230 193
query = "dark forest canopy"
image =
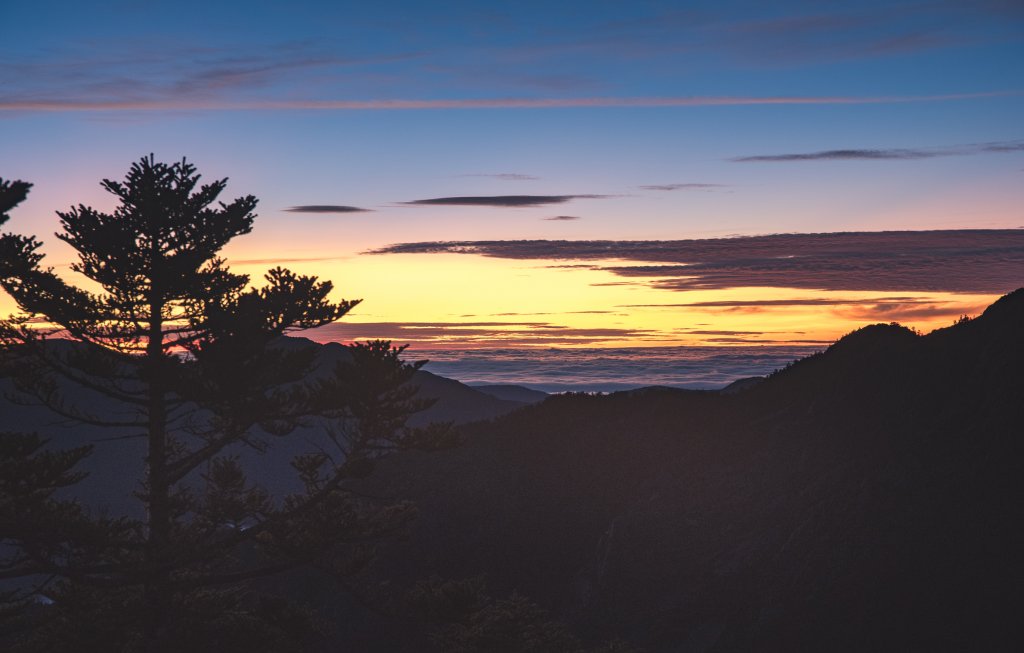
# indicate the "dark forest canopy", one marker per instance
pixel 189 353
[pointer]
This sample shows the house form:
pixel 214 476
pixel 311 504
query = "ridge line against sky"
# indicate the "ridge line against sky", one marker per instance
pixel 58 105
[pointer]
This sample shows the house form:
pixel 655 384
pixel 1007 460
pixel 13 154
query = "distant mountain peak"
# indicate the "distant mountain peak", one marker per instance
pixel 876 336
pixel 1007 307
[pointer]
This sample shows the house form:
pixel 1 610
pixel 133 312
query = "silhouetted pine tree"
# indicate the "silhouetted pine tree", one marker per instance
pixel 192 354
pixel 466 619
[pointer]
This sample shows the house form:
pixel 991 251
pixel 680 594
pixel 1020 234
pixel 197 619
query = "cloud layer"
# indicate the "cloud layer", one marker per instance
pixel 968 261
pixel 689 186
pixel 470 57
pixel 477 334
pixel 61 103
pixel 558 370
pixel 858 309
pixel 504 176
pixel 900 154
pixel 325 208
pixel 506 201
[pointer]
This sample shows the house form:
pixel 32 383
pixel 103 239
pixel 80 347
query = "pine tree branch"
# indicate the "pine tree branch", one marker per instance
pixel 63 369
pixel 22 572
pixel 213 580
pixel 55 405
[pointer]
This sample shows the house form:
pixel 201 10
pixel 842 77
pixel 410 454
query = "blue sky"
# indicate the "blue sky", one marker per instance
pixel 660 121
pixel 343 50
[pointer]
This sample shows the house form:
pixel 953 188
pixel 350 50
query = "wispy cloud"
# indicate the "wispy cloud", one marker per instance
pixel 740 340
pixel 284 260
pixel 776 303
pixel 897 311
pixel 60 103
pixel 562 218
pixel 867 308
pixel 688 186
pixel 835 36
pixel 326 208
pixel 250 72
pixel 508 201
pixel 897 154
pixel 729 332
pixel 978 261
pixel 134 75
pixel 476 334
pixel 783 35
pixel 504 176
pixel 479 60
pixel 515 314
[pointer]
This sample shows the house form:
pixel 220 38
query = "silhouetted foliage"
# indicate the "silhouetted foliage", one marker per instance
pixel 12 193
pixel 468 620
pixel 32 521
pixel 193 357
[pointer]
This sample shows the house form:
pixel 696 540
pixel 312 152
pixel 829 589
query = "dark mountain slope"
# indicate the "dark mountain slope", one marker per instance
pixel 454 401
pixel 512 392
pixel 115 469
pixel 867 498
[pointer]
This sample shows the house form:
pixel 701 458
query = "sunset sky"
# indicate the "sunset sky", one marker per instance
pixel 412 153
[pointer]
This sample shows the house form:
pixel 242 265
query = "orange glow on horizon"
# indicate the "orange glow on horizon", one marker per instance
pixel 459 301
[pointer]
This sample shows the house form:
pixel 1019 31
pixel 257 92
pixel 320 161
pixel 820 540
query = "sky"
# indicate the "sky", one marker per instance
pixel 573 174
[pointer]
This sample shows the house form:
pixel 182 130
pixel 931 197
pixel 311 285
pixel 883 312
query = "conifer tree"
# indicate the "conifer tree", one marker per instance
pixel 193 356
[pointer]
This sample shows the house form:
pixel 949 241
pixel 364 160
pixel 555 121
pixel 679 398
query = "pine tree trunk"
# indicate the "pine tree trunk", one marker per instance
pixel 157 595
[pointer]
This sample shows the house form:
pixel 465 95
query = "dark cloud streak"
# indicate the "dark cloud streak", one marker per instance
pixel 967 261
pixel 688 186
pixel 868 308
pixel 325 208
pixel 504 176
pixel 898 154
pixel 504 201
pixel 759 303
pixel 286 260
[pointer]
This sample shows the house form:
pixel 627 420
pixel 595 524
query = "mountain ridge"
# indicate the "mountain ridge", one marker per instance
pixel 863 498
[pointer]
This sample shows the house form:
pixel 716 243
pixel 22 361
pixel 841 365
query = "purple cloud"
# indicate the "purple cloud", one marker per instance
pixel 689 186
pixel 504 176
pixel 325 208
pixel 900 154
pixel 979 261
pixel 506 201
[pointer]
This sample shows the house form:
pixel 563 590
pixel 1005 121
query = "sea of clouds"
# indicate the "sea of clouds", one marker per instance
pixel 609 370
